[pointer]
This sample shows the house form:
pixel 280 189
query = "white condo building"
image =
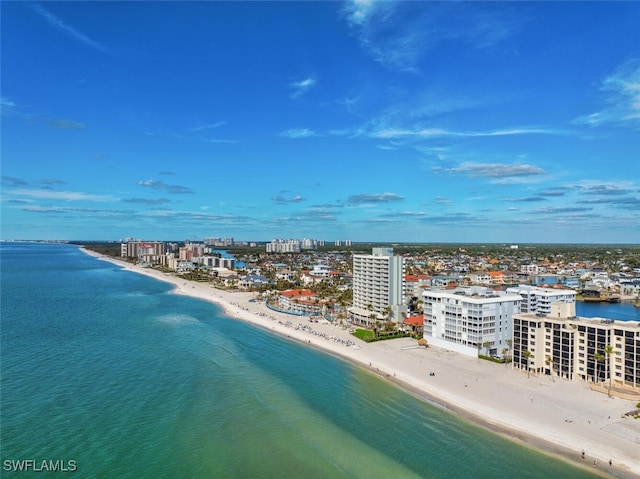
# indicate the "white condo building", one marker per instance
pixel 284 246
pixel 377 286
pixel 538 300
pixel 470 321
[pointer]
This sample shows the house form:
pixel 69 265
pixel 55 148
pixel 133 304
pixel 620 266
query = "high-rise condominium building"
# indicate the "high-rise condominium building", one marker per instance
pixel 377 287
pixel 470 321
pixel 575 348
pixel 144 251
pixel 283 246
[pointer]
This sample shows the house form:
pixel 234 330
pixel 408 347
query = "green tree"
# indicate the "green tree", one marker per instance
pixel 527 355
pixel 549 362
pixel 598 358
pixel 608 351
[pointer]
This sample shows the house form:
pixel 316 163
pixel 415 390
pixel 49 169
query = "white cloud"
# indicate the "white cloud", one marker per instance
pixel 58 24
pixel 211 126
pixel 622 94
pixel 6 103
pixel 375 198
pixel 398 34
pixel 161 185
pixel 301 87
pixel 299 133
pixel 391 133
pixel 61 195
pixel 496 170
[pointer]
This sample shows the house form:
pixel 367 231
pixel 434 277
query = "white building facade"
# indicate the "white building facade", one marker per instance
pixel 538 300
pixel 470 321
pixel 378 287
pixel 284 246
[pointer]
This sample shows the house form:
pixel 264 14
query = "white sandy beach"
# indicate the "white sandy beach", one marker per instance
pixel 561 417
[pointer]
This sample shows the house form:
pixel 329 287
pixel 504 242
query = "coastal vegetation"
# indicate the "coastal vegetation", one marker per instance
pixel 494 359
pixel 369 336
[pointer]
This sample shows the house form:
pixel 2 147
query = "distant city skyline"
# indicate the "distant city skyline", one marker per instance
pixel 398 122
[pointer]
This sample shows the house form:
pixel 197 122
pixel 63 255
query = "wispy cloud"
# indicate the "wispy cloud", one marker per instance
pixel 68 30
pixel 621 92
pixel 605 188
pixel 525 199
pixel 13 181
pixel 625 202
pixel 399 34
pixel 211 126
pixel 394 133
pixel 299 133
pixel 8 107
pixel 561 209
pixel 495 170
pixel 374 198
pixel 161 185
pixel 301 87
pixel 50 182
pixel 147 201
pixel 66 125
pixel 553 192
pixel 61 195
pixel 282 200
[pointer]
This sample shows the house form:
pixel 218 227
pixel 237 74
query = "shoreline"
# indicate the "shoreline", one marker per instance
pixel 563 418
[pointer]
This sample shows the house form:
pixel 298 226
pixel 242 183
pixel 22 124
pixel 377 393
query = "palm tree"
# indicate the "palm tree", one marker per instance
pixel 527 355
pixel 376 326
pixel 598 358
pixel 487 345
pixel 504 355
pixel 549 362
pixel 608 350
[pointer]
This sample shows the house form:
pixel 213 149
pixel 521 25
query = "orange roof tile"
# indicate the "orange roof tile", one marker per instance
pixel 417 320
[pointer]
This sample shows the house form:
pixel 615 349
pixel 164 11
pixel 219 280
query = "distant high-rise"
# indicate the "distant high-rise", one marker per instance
pixel 377 287
pixel 144 251
pixel 308 243
pixel 284 246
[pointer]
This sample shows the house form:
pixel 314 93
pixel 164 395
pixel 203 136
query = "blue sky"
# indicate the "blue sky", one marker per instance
pixel 403 121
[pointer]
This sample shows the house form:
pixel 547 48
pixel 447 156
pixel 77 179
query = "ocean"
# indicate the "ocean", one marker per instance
pixel 107 371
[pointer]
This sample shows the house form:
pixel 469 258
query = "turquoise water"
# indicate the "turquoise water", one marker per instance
pixel 624 311
pixel 106 368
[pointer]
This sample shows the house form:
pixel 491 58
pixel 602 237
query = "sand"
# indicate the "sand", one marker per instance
pixel 560 417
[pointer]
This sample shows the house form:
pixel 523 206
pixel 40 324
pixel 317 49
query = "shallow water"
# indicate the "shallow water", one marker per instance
pixel 107 368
